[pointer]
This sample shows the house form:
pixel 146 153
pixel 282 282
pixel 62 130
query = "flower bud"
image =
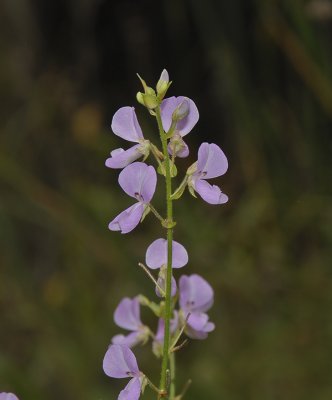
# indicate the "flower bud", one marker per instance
pixel 148 98
pixel 150 101
pixel 139 98
pixel 163 84
pixel 181 111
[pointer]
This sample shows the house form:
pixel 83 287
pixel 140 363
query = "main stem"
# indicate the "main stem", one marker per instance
pixel 168 299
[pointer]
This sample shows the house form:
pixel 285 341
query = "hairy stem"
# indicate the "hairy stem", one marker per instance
pixel 168 302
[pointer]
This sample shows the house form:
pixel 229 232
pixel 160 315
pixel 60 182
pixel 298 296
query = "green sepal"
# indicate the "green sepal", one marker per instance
pixel 180 190
pixel 168 224
pixel 191 191
pixel 162 169
pixel 155 308
pixel 144 383
pixel 145 212
pixel 150 101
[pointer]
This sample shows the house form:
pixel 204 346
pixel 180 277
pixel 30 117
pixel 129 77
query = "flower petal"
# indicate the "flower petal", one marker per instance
pixel 120 362
pixel 210 193
pixel 198 326
pixel 132 391
pixel 127 314
pixel 130 340
pixel 139 180
pixel 7 396
pixel 196 294
pixel 185 125
pixel 128 219
pixel 179 145
pixel 156 254
pixel 212 161
pixel 121 158
pixel 125 125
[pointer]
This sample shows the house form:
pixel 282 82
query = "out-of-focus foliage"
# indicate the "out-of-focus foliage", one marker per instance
pixel 261 75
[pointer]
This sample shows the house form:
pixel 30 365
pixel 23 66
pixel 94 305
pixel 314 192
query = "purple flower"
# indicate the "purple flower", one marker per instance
pixel 196 297
pixel 120 362
pixel 139 181
pixel 211 163
pixel 7 396
pixel 156 254
pixel 187 114
pixel 127 316
pixel 125 125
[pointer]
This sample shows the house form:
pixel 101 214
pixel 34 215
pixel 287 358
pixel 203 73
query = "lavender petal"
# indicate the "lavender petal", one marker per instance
pixel 139 180
pixel 210 193
pixel 125 125
pixel 196 294
pixel 156 254
pixel 130 340
pixel 126 221
pixel 127 314
pixel 212 161
pixel 7 396
pixel 121 158
pixel 132 391
pixel 120 362
pixel 185 125
pixel 198 326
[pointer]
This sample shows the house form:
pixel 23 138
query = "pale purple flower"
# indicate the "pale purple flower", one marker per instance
pixel 127 316
pixel 139 181
pixel 211 163
pixel 7 396
pixel 196 297
pixel 156 254
pixel 120 362
pixel 184 106
pixel 125 125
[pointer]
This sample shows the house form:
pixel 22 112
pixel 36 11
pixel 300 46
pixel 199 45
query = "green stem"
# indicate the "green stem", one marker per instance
pixel 168 302
pixel 172 368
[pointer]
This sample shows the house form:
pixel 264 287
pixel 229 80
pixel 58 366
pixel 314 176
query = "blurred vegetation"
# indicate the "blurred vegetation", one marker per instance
pixel 260 73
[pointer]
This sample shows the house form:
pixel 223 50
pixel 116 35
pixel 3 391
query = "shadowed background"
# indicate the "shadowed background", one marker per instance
pixel 260 74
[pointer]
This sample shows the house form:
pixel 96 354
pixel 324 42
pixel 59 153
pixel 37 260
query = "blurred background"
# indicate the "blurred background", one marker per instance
pixel 260 73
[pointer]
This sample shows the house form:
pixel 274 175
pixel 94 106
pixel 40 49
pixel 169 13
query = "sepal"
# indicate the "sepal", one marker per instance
pixel 162 169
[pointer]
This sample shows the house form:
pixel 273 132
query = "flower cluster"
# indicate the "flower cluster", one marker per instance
pixel 176 117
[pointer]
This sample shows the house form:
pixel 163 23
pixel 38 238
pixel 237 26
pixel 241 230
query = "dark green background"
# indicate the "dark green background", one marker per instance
pixel 260 74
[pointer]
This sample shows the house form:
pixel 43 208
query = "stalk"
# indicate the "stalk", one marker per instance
pixel 168 301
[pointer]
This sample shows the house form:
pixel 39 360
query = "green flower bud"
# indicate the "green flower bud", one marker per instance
pixel 139 98
pixel 163 84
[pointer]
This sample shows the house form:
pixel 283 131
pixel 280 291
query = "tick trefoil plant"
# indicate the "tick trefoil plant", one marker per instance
pixel 181 309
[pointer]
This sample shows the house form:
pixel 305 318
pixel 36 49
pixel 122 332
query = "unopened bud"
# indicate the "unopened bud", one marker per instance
pixel 163 84
pixel 150 101
pixel 181 111
pixel 139 98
